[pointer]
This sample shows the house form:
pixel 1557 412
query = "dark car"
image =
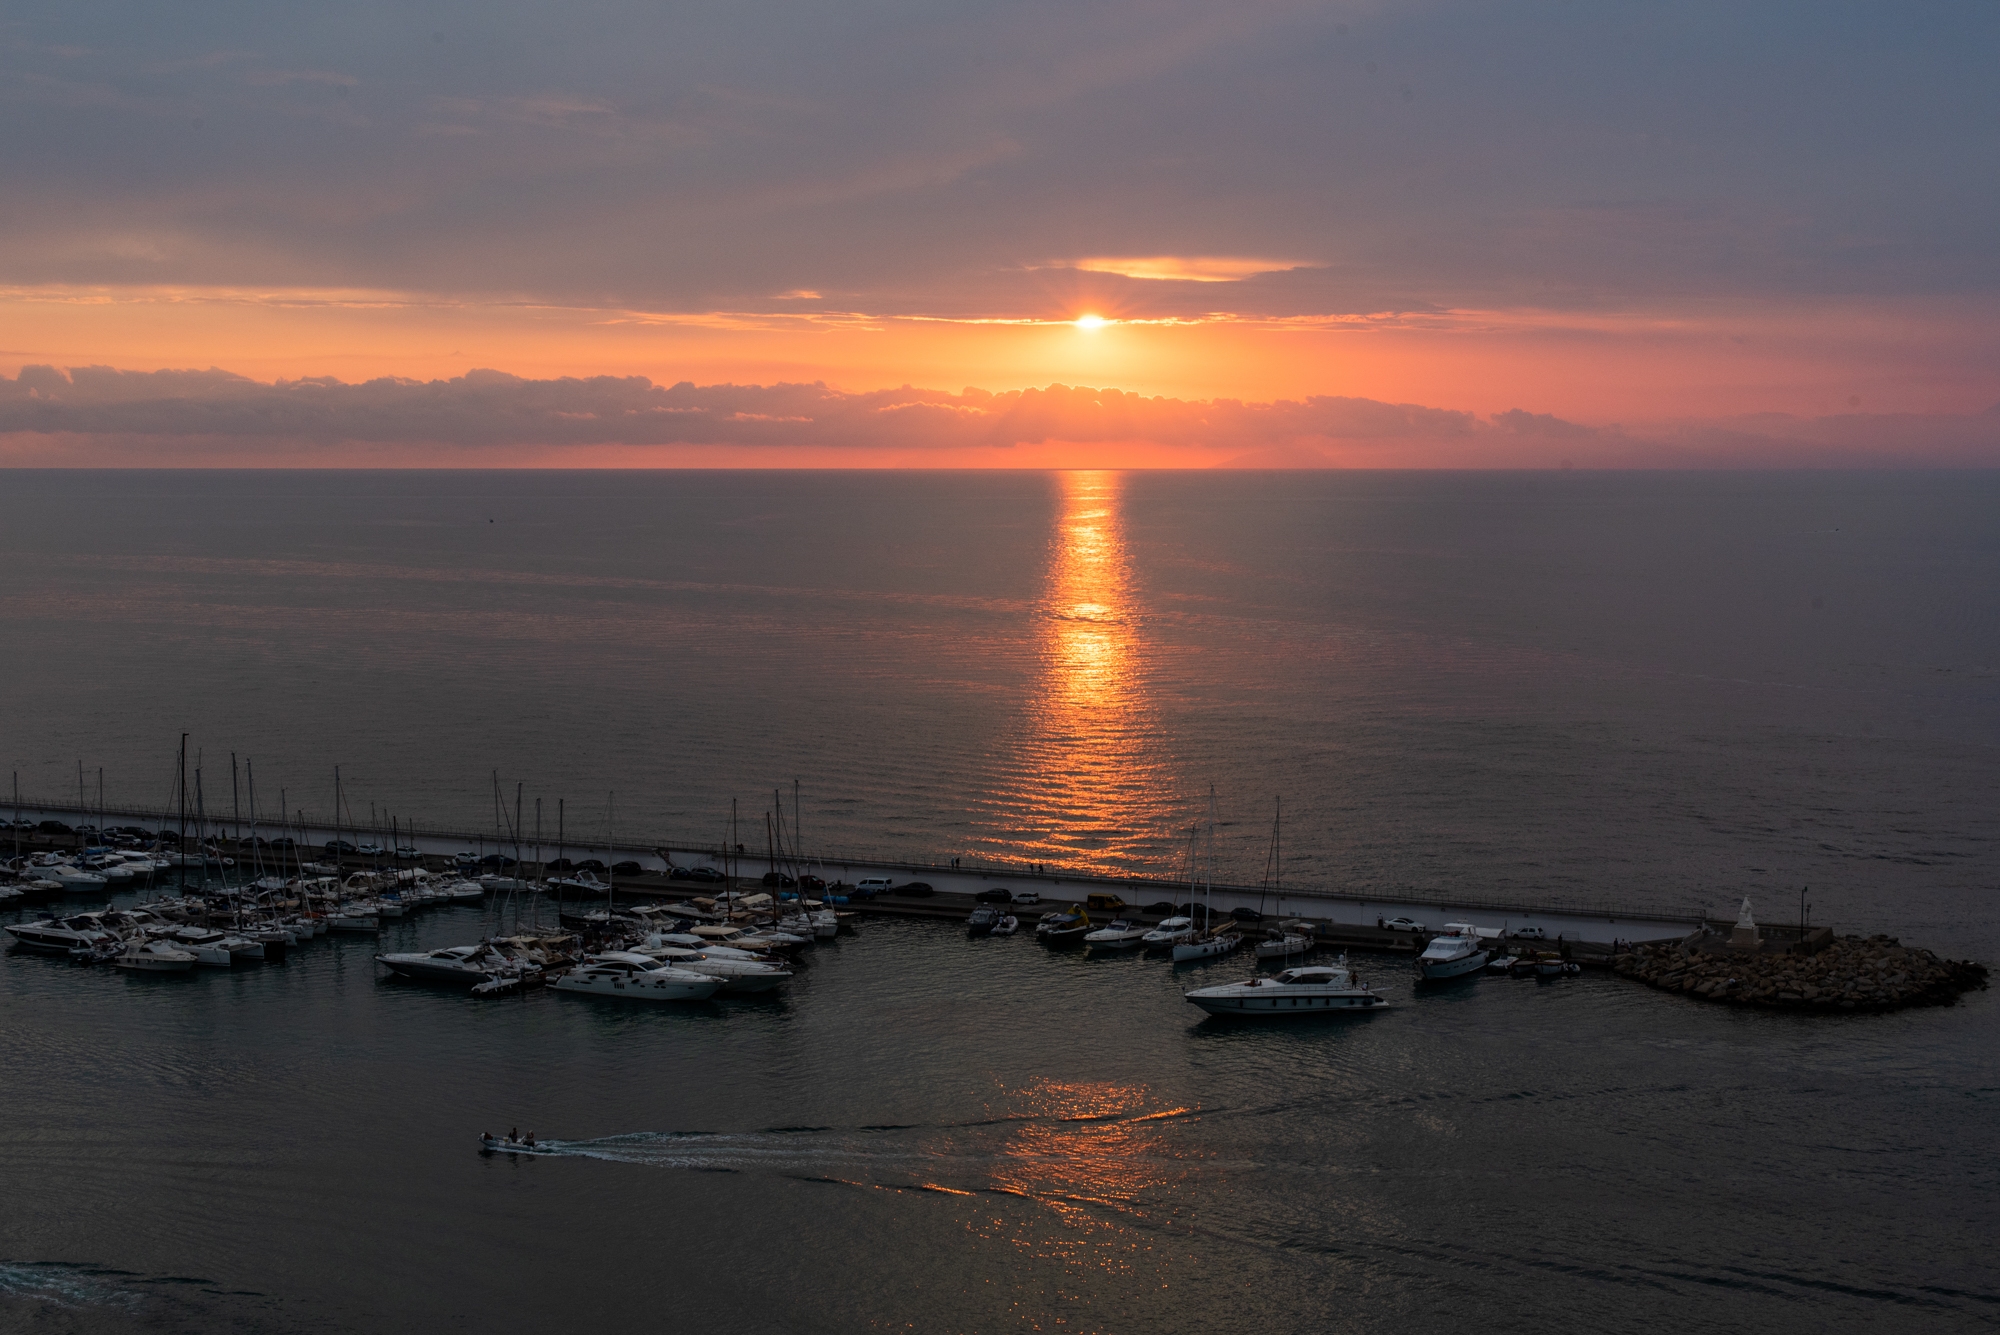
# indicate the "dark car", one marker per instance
pixel 1165 908
pixel 496 860
pixel 560 864
pixel 286 843
pixel 54 827
pixel 1246 915
pixel 340 846
pixel 705 874
pixel 590 864
pixel 919 889
pixel 168 836
pixel 810 882
pixel 995 896
pixel 778 880
pixel 627 869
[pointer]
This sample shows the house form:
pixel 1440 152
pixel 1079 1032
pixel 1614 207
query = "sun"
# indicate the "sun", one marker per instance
pixel 1091 322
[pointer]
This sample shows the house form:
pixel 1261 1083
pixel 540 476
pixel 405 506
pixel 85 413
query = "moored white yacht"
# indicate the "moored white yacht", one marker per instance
pixel 1170 932
pixel 1121 934
pixel 85 931
pixel 463 965
pixel 1310 989
pixel 740 977
pixel 142 956
pixel 627 980
pixel 1285 941
pixel 1455 953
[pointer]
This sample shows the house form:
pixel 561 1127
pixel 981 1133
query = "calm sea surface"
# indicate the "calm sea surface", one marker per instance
pixel 1645 690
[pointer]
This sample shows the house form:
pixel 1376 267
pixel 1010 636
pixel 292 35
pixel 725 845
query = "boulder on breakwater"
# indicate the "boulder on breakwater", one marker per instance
pixel 1851 973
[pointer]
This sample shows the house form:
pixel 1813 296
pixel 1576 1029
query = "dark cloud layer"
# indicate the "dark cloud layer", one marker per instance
pixel 103 414
pixel 939 157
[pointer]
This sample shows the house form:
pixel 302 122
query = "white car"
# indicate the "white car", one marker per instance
pixel 1403 925
pixel 1530 934
pixel 1026 897
pixel 872 885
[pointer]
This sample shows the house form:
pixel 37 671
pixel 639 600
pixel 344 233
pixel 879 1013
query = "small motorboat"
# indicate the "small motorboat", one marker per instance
pixel 1005 925
pixel 1455 953
pixel 981 921
pixel 1283 942
pixel 1500 963
pixel 1060 928
pixel 153 957
pixel 1169 933
pixel 1311 989
pixel 489 1144
pixel 1122 934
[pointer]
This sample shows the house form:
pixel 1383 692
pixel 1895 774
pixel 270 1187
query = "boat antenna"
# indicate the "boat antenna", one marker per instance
pixel 235 807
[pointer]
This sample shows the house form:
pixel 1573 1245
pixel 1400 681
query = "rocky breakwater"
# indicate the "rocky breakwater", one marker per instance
pixel 1850 973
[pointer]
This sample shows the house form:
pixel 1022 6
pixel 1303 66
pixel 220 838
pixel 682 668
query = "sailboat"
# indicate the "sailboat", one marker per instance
pixel 1211 942
pixel 1290 938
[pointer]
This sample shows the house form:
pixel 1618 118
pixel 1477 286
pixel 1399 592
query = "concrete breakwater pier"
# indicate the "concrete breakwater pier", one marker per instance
pixel 1342 918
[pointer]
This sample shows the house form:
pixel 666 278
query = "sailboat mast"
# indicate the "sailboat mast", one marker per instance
pixel 180 849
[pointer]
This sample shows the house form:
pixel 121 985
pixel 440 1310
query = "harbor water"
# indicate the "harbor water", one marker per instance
pixel 1657 691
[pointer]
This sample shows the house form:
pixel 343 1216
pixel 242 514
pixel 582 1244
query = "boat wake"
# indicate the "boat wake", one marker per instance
pixel 1088 1154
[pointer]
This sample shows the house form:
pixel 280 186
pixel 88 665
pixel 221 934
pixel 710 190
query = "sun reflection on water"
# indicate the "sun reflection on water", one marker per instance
pixel 1087 791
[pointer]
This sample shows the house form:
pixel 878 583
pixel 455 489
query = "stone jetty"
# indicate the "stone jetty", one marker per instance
pixel 1849 973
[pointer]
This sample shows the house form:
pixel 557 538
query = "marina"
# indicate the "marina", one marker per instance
pixel 667 942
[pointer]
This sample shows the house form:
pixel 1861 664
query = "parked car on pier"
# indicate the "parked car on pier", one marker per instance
pixel 1246 915
pixel 54 827
pixel 1166 908
pixel 996 895
pixel 627 869
pixel 916 889
pixel 1530 934
pixel 705 874
pixel 372 851
pixel 811 882
pixel 1400 925
pixel 1027 897
pixel 407 852
pixel 871 885
pixel 559 864
pixel 340 846
pixel 496 860
pixel 590 864
pixel 778 880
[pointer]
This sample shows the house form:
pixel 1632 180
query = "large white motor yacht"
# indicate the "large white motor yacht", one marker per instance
pixel 1457 952
pixel 1171 932
pixel 636 982
pixel 1309 989
pixel 740 976
pixel 464 965
pixel 85 931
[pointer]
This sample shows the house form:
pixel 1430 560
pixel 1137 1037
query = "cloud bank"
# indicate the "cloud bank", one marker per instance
pixel 102 416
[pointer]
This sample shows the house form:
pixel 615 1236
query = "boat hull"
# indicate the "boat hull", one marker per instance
pixel 641 988
pixel 1212 948
pixel 1282 1004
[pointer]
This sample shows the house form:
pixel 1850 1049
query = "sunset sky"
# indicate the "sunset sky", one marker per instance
pixel 1382 234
